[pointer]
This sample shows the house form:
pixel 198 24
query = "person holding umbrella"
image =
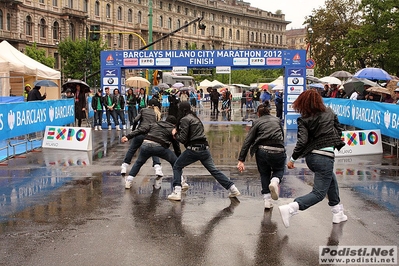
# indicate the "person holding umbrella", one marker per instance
pixel 97 105
pixel 35 95
pixel 80 105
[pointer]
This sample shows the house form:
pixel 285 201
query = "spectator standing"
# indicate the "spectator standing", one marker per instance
pixel 97 105
pixel 80 105
pixel 131 101
pixel 119 107
pixel 35 95
pixel 214 96
pixel 109 109
pixel 26 91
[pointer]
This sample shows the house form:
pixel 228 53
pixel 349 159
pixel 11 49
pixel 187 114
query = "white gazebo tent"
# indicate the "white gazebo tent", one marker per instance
pixel 16 69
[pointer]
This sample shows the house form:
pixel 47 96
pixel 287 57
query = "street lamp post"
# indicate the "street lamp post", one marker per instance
pixel 310 32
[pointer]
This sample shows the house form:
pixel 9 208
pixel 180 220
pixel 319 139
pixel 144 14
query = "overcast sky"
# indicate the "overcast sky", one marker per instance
pixel 294 10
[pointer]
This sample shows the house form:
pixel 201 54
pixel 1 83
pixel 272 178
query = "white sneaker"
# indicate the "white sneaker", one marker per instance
pixel 176 194
pixel 109 127
pixel 128 181
pixel 100 128
pixel 124 126
pixel 95 128
pixel 184 184
pixel 158 182
pixel 117 128
pixel 274 189
pixel 124 168
pixel 268 201
pixel 287 211
pixel 338 214
pixel 234 191
pixel 158 170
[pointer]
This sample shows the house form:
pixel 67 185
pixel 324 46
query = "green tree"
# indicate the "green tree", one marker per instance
pixel 81 58
pixel 39 55
pixel 330 27
pixel 375 42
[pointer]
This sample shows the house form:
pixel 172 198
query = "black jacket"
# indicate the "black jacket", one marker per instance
pixel 191 131
pixel 131 100
pixel 121 101
pixel 266 130
pixel 160 132
pixel 95 100
pixel 318 131
pixel 145 117
pixel 35 95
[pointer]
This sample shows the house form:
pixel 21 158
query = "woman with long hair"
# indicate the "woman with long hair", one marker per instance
pixel 266 141
pixel 131 101
pixel 319 133
pixel 190 132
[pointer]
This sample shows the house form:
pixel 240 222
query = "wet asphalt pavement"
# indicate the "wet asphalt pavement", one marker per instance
pixel 71 208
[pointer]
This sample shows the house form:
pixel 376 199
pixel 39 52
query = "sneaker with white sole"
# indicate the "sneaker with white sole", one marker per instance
pixel 109 127
pixel 128 181
pixel 95 128
pixel 268 201
pixel 100 128
pixel 184 184
pixel 117 128
pixel 124 169
pixel 124 126
pixel 234 191
pixel 176 194
pixel 158 170
pixel 158 182
pixel 287 211
pixel 338 214
pixel 274 190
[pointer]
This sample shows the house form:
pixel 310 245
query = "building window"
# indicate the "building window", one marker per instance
pixel 1 19
pixel 70 3
pixel 238 35
pixel 97 8
pixel 160 21
pixel 169 7
pixel 120 40
pixel 129 15
pixel 160 4
pixel 238 21
pixel 195 28
pixel 56 30
pixel 139 17
pixel 186 11
pixel 72 31
pixel 222 32
pixel 178 9
pixel 186 28
pixel 170 23
pixel 42 28
pixel 41 1
pixel 178 23
pixel 230 34
pixel 55 2
pixel 212 17
pixel 119 13
pixel 85 5
pixel 28 26
pixel 108 11
pixel 170 45
pixel 139 2
pixel 178 45
pixel 130 42
pixel 8 22
pixel 213 31
pixel 186 46
pixel 195 13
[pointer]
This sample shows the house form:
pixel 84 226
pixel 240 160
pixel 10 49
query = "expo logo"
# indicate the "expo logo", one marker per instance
pixel 353 139
pixel 62 134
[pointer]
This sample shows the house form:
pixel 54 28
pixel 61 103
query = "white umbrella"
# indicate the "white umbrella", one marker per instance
pixel 137 82
pixel 178 85
pixel 331 80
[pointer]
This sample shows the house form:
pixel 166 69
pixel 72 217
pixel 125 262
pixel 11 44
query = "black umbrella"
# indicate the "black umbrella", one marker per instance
pixel 71 84
pixel 341 74
pixel 45 83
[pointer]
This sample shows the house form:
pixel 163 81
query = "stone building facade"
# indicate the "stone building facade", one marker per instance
pixel 125 24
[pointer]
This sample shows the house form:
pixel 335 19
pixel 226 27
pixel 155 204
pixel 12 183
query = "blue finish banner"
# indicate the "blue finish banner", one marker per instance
pixel 17 119
pixel 167 59
pixel 367 115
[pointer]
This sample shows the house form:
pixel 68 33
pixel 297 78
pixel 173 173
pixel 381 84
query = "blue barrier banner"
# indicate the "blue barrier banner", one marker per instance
pixel 17 119
pixel 12 99
pixel 367 115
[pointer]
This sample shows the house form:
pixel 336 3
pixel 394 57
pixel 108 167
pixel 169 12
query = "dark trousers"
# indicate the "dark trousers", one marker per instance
pixel 98 117
pixel 112 113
